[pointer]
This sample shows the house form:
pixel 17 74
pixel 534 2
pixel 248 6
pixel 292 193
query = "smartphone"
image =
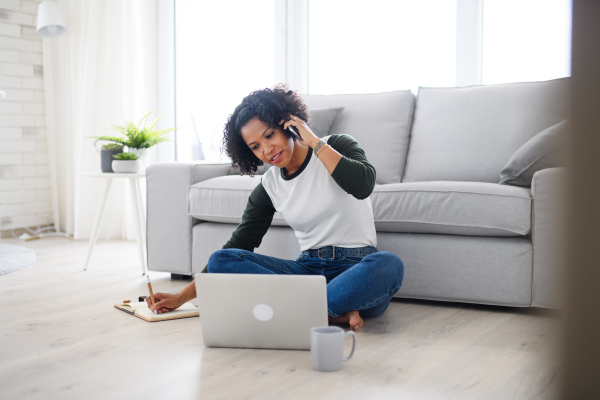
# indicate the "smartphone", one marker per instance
pixel 292 130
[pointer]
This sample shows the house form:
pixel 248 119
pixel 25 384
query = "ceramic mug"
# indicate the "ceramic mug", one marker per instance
pixel 327 347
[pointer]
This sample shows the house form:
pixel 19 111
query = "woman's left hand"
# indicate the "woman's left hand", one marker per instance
pixel 308 137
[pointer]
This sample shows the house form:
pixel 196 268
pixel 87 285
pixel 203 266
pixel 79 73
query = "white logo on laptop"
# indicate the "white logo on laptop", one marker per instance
pixel 263 312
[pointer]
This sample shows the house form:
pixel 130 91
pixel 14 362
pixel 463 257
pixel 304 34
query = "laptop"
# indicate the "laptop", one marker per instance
pixel 264 311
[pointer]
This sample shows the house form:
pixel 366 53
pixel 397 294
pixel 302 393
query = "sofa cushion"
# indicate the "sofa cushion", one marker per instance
pixel 224 199
pixel 456 208
pixel 459 208
pixel 322 119
pixel 380 122
pixel 470 133
pixel 547 149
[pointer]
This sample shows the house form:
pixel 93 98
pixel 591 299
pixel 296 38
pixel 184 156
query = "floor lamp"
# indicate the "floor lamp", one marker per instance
pixel 50 25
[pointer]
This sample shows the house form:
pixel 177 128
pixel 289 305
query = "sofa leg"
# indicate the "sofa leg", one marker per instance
pixel 181 277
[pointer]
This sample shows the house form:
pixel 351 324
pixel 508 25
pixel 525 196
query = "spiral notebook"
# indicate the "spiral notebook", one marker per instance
pixel 142 311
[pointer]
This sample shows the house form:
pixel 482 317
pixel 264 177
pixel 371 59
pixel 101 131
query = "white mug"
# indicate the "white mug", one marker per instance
pixel 327 347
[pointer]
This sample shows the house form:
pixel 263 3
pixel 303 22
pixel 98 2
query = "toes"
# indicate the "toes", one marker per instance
pixel 355 320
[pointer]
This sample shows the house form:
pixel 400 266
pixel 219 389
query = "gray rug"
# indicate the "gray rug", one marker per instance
pixel 13 258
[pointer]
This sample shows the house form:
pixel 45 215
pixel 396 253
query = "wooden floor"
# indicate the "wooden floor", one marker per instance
pixel 61 338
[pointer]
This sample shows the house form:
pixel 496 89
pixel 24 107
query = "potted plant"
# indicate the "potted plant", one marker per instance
pixel 138 138
pixel 126 163
pixel 106 155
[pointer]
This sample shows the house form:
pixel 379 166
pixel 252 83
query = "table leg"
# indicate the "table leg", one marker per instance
pixel 136 214
pixel 97 222
pixel 142 217
pixel 142 208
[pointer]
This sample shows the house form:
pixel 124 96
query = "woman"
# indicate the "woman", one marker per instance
pixel 323 196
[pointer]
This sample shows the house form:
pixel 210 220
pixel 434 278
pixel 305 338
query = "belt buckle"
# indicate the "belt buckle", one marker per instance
pixel 332 258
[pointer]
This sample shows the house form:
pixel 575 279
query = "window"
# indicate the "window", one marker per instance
pixel 224 50
pixel 380 45
pixel 526 40
pixel 227 49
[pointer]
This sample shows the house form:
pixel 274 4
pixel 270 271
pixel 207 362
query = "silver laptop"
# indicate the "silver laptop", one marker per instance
pixel 260 311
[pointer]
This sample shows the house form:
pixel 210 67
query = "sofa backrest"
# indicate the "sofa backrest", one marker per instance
pixel 380 122
pixel 470 133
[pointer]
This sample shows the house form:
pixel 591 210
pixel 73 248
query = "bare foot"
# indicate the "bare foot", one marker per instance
pixel 351 318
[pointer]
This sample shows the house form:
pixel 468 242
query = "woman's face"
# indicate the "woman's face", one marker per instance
pixel 267 143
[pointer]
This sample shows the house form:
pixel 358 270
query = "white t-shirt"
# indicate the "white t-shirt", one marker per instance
pixel 318 209
pixel 323 209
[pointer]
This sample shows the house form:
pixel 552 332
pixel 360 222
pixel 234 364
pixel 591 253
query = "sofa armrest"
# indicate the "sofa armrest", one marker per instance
pixel 549 189
pixel 168 228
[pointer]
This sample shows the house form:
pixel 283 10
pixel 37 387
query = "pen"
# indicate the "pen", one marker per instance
pixel 150 289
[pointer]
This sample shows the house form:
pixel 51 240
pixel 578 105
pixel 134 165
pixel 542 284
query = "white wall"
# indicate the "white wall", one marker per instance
pixel 25 185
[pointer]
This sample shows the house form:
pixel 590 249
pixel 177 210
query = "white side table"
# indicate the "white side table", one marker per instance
pixel 138 210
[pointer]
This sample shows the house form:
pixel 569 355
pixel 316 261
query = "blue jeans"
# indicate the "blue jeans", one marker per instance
pixel 353 283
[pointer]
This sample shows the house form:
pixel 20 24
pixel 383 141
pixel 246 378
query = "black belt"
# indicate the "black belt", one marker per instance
pixel 340 252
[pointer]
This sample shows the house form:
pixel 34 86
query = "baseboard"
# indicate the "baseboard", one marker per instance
pixel 6 234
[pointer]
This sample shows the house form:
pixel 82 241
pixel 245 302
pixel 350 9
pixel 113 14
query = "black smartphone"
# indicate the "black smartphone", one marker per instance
pixel 292 131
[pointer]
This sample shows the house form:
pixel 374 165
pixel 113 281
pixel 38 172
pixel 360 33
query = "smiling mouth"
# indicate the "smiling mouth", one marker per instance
pixel 277 157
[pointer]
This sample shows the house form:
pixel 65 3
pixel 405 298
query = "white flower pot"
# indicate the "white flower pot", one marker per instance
pixel 142 154
pixel 127 166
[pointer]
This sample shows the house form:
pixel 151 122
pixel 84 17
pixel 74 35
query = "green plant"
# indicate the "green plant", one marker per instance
pixel 125 156
pixel 137 137
pixel 112 146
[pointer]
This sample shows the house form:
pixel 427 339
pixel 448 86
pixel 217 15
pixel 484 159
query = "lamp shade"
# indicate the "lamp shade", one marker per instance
pixel 49 21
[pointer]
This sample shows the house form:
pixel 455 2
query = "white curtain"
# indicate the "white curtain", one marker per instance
pixel 115 63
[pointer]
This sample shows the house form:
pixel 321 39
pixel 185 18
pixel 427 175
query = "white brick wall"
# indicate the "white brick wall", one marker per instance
pixel 25 185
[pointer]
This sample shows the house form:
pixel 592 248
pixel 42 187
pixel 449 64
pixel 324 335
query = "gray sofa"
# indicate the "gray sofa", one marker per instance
pixel 437 203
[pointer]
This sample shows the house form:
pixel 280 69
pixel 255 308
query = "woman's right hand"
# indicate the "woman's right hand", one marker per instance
pixel 164 302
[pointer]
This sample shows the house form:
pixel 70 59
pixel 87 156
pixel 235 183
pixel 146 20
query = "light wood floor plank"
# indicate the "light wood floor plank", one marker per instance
pixel 61 337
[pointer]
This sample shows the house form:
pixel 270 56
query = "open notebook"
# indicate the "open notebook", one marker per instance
pixel 142 311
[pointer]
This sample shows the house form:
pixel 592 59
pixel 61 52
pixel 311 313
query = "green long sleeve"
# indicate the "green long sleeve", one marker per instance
pixel 354 173
pixel 256 220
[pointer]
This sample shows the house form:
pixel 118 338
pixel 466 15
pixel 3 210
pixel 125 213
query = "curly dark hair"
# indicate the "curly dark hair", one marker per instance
pixel 270 105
